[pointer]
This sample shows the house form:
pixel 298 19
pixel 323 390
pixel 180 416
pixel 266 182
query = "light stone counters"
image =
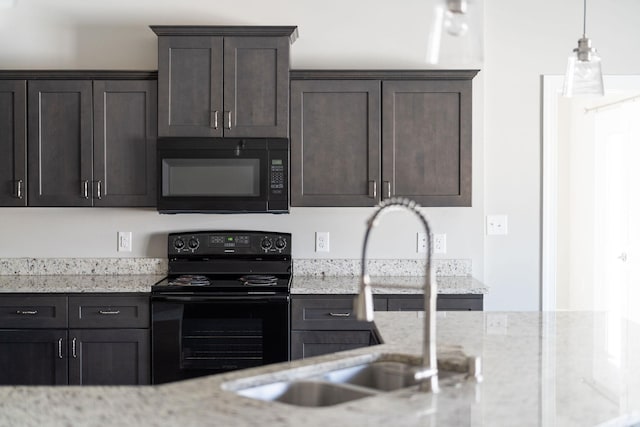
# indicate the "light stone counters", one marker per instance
pixel 549 369
pixel 408 285
pixel 78 283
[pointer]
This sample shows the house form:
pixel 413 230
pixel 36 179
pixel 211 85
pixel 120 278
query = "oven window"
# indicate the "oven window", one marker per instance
pixel 210 177
pixel 222 344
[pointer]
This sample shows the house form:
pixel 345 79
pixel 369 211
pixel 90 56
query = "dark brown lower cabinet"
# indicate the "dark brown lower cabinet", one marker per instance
pixel 33 357
pixel 109 356
pixel 88 339
pixel 322 324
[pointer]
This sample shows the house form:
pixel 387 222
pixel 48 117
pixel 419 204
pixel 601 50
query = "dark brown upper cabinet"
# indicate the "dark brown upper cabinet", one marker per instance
pixel 60 143
pixel 13 142
pixel 124 144
pixel 91 138
pixel 223 81
pixel 358 137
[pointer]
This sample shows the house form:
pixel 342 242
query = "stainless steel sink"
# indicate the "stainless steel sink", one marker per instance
pixel 338 382
pixel 385 376
pixel 305 393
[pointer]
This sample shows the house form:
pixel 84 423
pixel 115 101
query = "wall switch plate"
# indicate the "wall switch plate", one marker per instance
pixel 496 224
pixel 439 243
pixel 124 241
pixel 421 247
pixel 322 241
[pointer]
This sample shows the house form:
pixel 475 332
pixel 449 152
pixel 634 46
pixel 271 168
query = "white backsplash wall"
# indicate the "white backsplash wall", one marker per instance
pixel 92 232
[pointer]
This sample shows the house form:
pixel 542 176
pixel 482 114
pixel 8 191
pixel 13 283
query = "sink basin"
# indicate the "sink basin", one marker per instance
pixel 305 393
pixel 385 376
pixel 338 382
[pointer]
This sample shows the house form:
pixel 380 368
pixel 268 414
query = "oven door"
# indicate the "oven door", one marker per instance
pixel 222 175
pixel 204 335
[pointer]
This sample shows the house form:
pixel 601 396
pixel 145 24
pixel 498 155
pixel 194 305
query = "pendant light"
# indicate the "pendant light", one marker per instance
pixel 455 33
pixel 584 74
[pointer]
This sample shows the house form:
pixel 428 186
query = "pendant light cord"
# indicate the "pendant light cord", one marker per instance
pixel 584 20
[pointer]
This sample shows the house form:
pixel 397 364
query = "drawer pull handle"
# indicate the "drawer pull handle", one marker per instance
pixel 109 312
pixel 339 314
pixel 27 312
pixel 73 348
pixel 60 348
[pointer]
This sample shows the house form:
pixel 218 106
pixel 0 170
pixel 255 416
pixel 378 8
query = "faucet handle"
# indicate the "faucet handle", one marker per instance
pixel 474 368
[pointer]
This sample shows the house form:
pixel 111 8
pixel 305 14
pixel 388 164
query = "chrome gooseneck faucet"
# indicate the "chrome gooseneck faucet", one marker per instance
pixel 363 304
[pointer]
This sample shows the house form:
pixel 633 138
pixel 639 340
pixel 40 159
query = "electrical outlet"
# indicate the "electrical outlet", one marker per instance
pixel 439 243
pixel 422 243
pixel 322 241
pixel 496 224
pixel 124 241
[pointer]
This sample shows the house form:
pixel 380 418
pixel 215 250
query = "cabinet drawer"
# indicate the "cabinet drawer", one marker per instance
pixel 316 343
pixel 332 313
pixel 106 311
pixel 33 311
pixel 460 302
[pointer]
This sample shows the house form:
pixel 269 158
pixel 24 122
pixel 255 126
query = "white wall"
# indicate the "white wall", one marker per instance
pixel 114 34
pixel 523 40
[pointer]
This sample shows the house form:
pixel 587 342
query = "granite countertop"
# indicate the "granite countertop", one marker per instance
pixel 78 283
pixel 300 284
pixel 408 285
pixel 566 368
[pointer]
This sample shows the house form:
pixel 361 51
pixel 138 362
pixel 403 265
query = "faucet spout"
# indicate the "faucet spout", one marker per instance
pixel 363 305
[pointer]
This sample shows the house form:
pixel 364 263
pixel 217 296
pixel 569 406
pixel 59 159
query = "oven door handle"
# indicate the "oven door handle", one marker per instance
pixel 214 298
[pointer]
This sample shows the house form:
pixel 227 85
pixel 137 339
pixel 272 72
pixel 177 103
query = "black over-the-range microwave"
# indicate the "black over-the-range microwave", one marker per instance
pixel 216 175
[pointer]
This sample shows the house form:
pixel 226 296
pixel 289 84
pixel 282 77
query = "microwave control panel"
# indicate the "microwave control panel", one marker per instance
pixel 277 173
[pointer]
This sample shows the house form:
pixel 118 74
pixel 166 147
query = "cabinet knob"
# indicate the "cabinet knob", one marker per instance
pixel 19 185
pixel 214 119
pixel 85 189
pixel 387 187
pixel 99 189
pixel 228 113
pixel 373 189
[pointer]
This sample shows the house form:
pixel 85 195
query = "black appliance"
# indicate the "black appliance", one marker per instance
pixel 224 304
pixel 200 175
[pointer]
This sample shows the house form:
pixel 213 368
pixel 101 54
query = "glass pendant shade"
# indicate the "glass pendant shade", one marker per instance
pixel 455 33
pixel 584 73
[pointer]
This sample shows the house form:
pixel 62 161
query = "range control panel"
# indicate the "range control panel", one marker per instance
pixel 202 243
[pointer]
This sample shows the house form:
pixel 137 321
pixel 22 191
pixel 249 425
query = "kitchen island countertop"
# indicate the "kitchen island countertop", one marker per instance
pixel 566 368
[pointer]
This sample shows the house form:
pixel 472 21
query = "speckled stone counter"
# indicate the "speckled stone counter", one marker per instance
pixel 78 283
pixel 549 369
pixel 406 285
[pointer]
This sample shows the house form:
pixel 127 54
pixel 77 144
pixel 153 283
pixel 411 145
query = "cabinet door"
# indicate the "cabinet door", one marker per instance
pixel 33 357
pixel 190 86
pixel 109 356
pixel 60 143
pixel 13 143
pixel 315 343
pixel 125 124
pixel 426 141
pixel 256 87
pixel 335 143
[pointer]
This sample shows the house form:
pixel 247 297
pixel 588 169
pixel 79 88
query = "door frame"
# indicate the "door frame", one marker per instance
pixel 551 90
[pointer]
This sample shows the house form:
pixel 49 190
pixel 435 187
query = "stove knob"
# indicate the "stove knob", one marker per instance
pixel 266 243
pixel 193 243
pixel 281 243
pixel 178 243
